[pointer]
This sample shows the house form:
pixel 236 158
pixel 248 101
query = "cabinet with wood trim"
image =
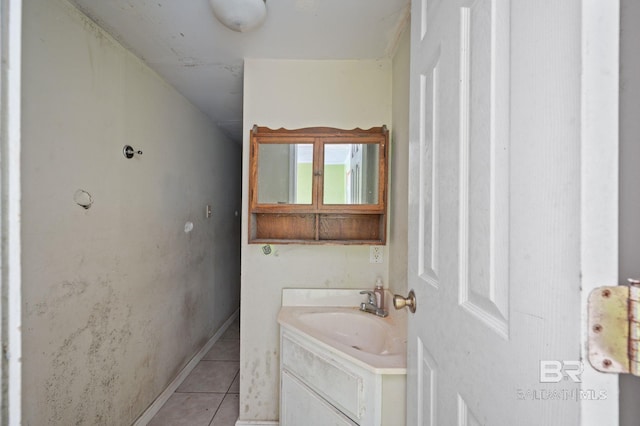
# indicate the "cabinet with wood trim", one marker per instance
pixel 318 185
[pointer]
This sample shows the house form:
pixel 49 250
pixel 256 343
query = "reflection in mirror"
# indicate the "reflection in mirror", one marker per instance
pixel 351 173
pixel 285 173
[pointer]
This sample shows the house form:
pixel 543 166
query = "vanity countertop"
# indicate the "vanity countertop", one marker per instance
pixel 332 319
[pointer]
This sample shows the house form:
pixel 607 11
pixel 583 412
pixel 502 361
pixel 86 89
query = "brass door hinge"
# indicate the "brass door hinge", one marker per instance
pixel 614 328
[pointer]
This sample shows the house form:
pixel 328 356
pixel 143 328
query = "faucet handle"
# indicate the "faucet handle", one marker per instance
pixel 371 297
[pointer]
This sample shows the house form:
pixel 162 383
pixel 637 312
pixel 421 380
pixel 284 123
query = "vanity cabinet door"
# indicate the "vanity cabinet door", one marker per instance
pixel 302 406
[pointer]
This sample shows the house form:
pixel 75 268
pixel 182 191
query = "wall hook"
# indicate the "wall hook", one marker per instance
pixel 128 151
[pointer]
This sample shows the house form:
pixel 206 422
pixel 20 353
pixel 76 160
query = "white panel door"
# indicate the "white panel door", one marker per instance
pixel 495 207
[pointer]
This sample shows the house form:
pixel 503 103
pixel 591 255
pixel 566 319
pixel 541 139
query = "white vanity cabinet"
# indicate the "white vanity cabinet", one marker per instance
pixel 300 405
pixel 321 387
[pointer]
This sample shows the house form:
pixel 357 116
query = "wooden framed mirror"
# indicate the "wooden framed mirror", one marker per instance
pixel 318 185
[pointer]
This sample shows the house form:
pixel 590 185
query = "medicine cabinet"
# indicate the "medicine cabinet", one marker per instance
pixel 318 186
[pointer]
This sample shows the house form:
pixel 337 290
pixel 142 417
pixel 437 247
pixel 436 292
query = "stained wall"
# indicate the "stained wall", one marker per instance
pixel 296 94
pixel 117 297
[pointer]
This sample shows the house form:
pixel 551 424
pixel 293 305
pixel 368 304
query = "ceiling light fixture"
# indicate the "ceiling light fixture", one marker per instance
pixel 240 15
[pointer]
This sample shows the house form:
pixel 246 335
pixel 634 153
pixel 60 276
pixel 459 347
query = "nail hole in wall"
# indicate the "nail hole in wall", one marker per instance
pixel 83 199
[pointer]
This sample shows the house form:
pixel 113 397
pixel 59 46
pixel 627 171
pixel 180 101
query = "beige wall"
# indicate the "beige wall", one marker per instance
pixel 399 183
pixel 295 94
pixel 116 298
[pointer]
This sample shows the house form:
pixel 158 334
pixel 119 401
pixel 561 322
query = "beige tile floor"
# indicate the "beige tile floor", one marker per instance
pixel 209 394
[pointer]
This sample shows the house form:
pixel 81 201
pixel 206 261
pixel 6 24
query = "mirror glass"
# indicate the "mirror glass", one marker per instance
pixel 285 173
pixel 351 173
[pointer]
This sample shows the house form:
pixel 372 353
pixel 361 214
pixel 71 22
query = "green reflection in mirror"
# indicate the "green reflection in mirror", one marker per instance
pixel 351 173
pixel 285 173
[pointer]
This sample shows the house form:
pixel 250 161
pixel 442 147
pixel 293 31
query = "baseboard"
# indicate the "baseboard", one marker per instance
pixel 166 394
pixel 256 423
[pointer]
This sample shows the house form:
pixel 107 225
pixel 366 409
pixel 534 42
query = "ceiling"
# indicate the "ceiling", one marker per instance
pixel 184 43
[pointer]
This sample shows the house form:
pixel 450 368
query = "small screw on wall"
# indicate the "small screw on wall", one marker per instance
pixel 128 151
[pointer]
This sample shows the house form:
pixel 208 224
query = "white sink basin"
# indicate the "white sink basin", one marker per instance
pixel 378 343
pixel 359 330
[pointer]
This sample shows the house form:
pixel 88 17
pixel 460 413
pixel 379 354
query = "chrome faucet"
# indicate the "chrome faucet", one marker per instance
pixel 371 305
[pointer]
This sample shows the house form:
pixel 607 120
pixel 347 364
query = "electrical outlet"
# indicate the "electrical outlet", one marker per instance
pixel 375 254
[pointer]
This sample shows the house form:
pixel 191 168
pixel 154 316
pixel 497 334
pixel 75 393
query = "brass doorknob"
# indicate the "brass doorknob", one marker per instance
pixel 400 302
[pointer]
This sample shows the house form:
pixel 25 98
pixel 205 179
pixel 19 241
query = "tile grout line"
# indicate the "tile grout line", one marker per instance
pixel 225 395
pixel 163 398
pixel 217 409
pixel 201 392
pixel 234 379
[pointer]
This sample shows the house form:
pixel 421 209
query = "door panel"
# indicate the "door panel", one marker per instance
pixel 429 206
pixel 427 386
pixel 484 162
pixel 465 415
